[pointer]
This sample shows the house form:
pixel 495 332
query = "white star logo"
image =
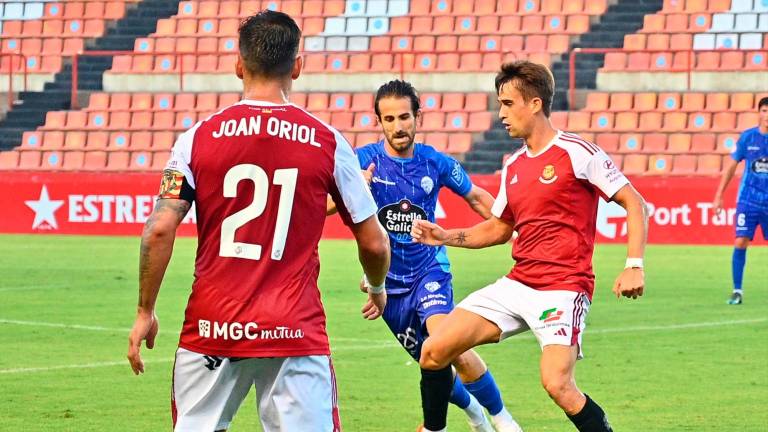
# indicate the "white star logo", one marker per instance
pixel 44 209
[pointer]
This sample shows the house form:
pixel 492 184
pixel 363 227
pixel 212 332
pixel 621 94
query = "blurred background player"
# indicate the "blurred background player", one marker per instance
pixel 254 317
pixel 752 202
pixel 549 194
pixel 405 178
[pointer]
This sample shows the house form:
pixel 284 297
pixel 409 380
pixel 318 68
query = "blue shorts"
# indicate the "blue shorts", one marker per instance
pixel 407 313
pixel 748 218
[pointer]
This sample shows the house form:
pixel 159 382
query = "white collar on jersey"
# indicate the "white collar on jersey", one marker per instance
pixel 544 150
pixel 260 103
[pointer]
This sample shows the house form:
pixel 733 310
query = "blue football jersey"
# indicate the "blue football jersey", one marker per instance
pixel 752 148
pixel 405 190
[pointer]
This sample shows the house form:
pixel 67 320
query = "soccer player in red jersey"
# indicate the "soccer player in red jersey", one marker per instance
pixel 549 195
pixel 258 173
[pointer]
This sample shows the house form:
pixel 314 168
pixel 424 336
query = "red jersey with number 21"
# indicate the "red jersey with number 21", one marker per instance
pixel 551 198
pixel 261 174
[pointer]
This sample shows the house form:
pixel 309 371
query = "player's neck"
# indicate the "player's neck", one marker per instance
pixel 763 130
pixel 273 91
pixel 541 135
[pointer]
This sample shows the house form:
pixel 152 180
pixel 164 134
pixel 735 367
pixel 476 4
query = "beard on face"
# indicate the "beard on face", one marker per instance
pixel 400 145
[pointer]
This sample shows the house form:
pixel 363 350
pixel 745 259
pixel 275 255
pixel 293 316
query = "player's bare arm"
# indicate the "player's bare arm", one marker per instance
pixel 489 232
pixel 480 200
pixel 728 172
pixel 156 247
pixel 631 281
pixel 374 254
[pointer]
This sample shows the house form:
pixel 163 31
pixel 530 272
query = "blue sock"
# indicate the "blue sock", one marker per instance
pixel 487 393
pixel 737 266
pixel 459 394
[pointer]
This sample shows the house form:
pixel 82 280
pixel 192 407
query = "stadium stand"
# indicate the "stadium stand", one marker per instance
pixel 180 71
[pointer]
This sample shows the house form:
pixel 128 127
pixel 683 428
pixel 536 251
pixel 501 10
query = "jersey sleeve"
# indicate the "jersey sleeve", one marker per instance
pixel 178 181
pixel 352 196
pixel 500 209
pixel 452 174
pixel 364 156
pixel 600 170
pixel 739 152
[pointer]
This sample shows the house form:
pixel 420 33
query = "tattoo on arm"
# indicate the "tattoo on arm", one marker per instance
pixel 461 237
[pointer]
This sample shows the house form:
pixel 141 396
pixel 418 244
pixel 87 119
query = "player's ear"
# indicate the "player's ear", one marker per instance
pixel 297 66
pixel 536 105
pixel 239 67
pixel 419 118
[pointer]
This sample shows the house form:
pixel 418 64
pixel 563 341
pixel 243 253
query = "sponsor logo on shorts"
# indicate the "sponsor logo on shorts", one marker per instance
pixel 248 330
pixel 432 286
pixel 212 362
pixel 561 332
pixel 433 300
pixel 551 315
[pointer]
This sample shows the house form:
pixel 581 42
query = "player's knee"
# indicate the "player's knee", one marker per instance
pixel 431 357
pixel 557 386
pixel 741 242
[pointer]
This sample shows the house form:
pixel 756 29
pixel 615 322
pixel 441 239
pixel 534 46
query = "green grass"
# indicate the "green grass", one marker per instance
pixel 648 370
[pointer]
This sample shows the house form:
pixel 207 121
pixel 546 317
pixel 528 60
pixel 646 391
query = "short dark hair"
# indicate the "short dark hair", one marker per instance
pixel 269 43
pixel 763 101
pixel 531 80
pixel 400 89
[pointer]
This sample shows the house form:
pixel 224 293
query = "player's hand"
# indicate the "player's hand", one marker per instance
pixel 144 328
pixel 630 283
pixel 717 204
pixel 428 233
pixel 374 307
pixel 368 173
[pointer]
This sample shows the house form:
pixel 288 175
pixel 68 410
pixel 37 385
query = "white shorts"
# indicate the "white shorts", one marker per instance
pixel 293 393
pixel 555 317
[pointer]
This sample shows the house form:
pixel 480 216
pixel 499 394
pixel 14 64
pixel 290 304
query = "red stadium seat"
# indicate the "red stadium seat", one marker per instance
pixel 609 142
pixel 709 164
pixel 703 143
pixel 684 164
pixel 9 160
pixel 679 143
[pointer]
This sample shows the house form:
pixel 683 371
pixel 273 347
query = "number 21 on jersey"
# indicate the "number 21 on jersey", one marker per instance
pixel 286 178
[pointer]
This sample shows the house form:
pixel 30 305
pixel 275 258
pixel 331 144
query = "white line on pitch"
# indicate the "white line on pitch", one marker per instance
pixel 65 326
pixel 77 366
pixel 669 327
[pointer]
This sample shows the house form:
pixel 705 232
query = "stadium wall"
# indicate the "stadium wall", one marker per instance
pixel 119 203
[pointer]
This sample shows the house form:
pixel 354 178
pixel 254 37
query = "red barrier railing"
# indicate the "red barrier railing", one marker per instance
pixel 10 74
pixel 398 55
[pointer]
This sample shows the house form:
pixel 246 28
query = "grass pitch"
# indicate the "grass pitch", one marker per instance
pixel 679 359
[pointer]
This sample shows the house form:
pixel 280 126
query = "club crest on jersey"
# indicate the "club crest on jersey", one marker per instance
pixel 432 286
pixel 397 218
pixel 427 184
pixel 548 175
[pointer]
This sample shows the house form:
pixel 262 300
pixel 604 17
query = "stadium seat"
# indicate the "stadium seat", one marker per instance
pixel 708 164
pixel 609 142
pixel 9 160
pixel 635 164
pixel 659 164
pixel 684 164
pixel 703 143
pixel 679 143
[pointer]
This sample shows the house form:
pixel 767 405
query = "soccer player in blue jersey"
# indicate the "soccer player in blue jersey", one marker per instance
pixel 752 202
pixel 405 178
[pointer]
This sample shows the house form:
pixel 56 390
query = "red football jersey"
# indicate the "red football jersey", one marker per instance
pixel 551 199
pixel 261 174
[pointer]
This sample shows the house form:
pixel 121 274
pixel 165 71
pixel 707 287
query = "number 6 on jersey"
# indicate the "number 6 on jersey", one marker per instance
pixel 286 178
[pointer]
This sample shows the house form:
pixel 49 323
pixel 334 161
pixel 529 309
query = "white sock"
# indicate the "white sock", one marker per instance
pixel 737 291
pixel 503 416
pixel 475 411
